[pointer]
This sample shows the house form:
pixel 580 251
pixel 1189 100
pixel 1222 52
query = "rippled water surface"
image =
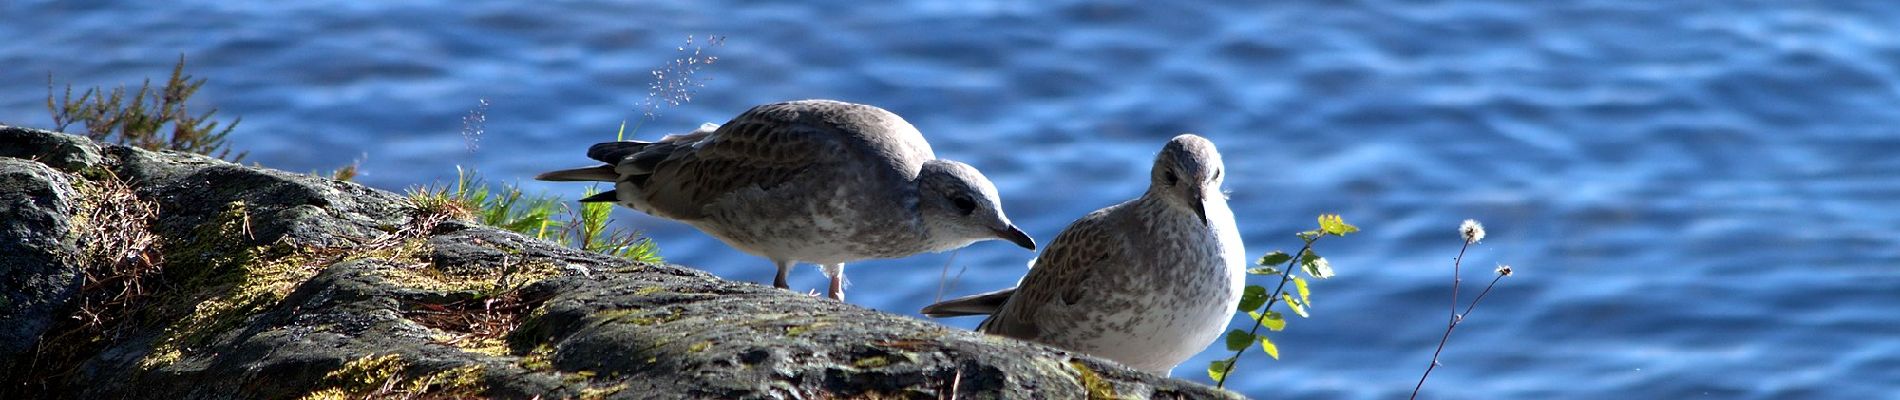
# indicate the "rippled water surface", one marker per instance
pixel 1698 199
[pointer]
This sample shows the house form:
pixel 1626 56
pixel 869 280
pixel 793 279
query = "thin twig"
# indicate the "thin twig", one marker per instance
pixel 943 277
pixel 955 382
pixel 1487 289
pixel 954 279
pixel 1455 316
pixel 1457 279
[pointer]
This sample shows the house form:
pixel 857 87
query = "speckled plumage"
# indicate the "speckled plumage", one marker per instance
pixel 1148 282
pixel 819 181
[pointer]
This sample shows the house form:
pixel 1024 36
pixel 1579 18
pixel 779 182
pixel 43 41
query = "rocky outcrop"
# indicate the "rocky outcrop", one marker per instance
pixel 36 203
pixel 127 273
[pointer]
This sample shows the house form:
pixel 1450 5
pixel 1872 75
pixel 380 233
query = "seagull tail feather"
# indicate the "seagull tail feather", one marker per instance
pixel 602 173
pixel 607 196
pixel 614 152
pixel 982 304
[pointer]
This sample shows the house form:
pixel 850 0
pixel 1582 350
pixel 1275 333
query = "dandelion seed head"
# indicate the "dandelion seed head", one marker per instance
pixel 1471 230
pixel 1504 270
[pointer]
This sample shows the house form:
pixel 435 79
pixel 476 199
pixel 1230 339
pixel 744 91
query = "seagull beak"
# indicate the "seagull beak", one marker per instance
pixel 1013 235
pixel 1200 206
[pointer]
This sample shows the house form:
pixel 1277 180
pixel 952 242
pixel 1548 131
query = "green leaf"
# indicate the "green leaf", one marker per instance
pixel 1217 369
pixel 1274 258
pixel 1294 304
pixel 1271 319
pixel 1269 271
pixel 1300 285
pixel 1309 236
pixel 1253 297
pixel 1316 266
pixel 1331 224
pixel 1238 339
pixel 1269 347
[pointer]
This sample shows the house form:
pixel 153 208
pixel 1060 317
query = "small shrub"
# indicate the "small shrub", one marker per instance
pixel 142 118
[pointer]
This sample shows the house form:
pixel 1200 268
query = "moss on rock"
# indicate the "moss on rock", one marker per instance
pixel 379 376
pixel 1097 388
pixel 229 279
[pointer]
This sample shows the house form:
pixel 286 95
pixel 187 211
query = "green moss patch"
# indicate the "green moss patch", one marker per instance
pixel 641 317
pixel 384 376
pixel 1098 388
pixel 541 358
pixel 226 280
pixel 224 277
pixel 872 362
pixel 433 278
pixel 595 393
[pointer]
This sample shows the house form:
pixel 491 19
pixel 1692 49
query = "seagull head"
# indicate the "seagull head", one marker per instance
pixel 960 206
pixel 1188 174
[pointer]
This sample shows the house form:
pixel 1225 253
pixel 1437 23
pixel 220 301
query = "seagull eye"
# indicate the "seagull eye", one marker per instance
pixel 964 204
pixel 1172 179
pixel 1217 173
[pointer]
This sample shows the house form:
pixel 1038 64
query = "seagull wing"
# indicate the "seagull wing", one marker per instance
pixel 760 149
pixel 1064 278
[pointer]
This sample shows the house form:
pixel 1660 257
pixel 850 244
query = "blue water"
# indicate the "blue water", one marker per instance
pixel 1698 197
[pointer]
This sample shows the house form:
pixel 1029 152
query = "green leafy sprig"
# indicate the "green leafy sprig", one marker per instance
pixel 1258 302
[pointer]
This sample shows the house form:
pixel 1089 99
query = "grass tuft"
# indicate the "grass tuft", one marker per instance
pixel 542 217
pixel 120 261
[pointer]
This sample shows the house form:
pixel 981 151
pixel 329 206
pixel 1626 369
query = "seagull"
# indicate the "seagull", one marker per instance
pixel 819 181
pixel 1147 283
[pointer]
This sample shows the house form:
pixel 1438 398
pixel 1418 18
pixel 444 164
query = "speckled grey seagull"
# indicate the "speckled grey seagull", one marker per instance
pixel 819 181
pixel 1147 283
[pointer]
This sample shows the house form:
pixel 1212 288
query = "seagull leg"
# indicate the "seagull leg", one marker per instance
pixel 836 272
pixel 784 267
